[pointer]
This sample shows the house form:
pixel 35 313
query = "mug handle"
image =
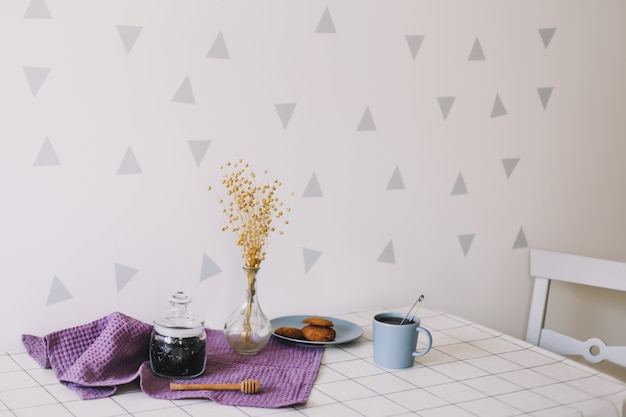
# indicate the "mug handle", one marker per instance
pixel 429 344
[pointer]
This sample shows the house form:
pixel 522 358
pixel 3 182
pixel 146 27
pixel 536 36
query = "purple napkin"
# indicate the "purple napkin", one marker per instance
pixel 95 358
pixel 286 372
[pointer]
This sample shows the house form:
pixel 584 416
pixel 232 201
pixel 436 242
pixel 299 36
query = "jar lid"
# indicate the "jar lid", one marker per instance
pixel 179 321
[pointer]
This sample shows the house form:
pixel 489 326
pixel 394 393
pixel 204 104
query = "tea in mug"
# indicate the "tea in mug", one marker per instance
pixel 395 320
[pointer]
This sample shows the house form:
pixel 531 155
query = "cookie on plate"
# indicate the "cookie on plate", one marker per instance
pixel 318 321
pixel 290 332
pixel 315 333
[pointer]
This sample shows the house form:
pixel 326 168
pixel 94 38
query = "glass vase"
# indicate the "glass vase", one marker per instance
pixel 248 330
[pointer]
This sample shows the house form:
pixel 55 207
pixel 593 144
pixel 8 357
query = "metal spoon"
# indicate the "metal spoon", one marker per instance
pixel 419 300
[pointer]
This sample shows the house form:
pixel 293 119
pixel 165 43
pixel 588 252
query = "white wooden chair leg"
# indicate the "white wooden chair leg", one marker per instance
pixel 537 310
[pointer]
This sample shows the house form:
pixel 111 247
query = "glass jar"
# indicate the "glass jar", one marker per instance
pixel 178 341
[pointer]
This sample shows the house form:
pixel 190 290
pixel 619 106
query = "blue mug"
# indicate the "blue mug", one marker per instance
pixel 395 344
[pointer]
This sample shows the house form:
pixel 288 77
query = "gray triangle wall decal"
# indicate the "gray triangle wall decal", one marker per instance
pixel 313 189
pixel 129 35
pixel 367 122
pixel 546 36
pixel 310 258
pixel 520 240
pixel 326 24
pixel 218 49
pixel 123 275
pixel 285 111
pixel 498 108
pixel 37 9
pixel 199 149
pixel 209 268
pixel 477 53
pixel 466 242
pixel 129 164
pixel 47 156
pixel 36 77
pixel 396 183
pixel 58 292
pixel 184 94
pixel 415 43
pixel 459 185
pixel 388 254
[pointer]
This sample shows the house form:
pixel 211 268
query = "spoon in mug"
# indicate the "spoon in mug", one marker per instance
pixel 419 300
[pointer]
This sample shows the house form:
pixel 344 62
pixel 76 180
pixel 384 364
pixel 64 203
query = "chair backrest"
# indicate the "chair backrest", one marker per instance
pixel 546 266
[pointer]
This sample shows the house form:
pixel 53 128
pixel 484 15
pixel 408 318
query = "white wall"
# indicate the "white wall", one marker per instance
pixel 116 115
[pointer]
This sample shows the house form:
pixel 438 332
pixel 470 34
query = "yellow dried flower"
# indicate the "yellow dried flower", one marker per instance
pixel 250 211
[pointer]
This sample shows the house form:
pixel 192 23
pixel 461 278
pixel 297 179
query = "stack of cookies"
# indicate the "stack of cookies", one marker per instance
pixel 317 329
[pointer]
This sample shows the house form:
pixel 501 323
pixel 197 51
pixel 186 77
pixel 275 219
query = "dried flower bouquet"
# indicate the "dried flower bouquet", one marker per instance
pixel 252 211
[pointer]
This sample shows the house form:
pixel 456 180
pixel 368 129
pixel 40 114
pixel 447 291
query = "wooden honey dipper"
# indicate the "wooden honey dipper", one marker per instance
pixel 247 386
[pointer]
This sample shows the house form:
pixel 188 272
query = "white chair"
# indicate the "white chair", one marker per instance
pixel 546 266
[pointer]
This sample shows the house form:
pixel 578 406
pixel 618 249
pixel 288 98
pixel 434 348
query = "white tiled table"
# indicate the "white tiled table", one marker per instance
pixel 471 371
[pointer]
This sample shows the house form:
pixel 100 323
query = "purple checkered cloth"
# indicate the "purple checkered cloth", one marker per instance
pixel 95 358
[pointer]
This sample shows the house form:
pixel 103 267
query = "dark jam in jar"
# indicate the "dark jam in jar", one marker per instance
pixel 178 341
pixel 181 357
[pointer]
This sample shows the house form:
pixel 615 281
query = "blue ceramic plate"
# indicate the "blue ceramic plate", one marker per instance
pixel 345 331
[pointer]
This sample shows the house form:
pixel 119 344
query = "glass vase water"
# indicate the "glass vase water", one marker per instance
pixel 248 330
